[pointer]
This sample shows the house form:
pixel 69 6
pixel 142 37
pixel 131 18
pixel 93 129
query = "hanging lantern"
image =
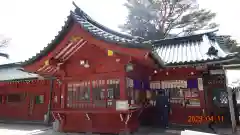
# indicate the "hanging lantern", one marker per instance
pixel 129 67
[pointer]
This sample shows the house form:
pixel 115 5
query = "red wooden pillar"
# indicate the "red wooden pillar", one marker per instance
pixel 91 95
pixel 202 102
pixel 63 94
pixel 106 91
pixel 3 99
pixel 202 97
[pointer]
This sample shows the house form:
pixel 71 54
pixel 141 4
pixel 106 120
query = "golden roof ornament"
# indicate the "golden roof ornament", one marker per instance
pixel 75 38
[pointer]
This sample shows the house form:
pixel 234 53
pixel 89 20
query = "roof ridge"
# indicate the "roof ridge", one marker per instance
pixel 80 12
pixel 183 37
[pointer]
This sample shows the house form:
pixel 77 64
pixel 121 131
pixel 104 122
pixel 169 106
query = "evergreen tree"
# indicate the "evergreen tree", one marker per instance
pixel 158 19
pixel 227 43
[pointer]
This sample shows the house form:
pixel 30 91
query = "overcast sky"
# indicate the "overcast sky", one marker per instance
pixel 32 24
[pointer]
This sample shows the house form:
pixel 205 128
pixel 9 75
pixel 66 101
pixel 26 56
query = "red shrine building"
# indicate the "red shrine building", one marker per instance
pixel 96 78
pixel 23 96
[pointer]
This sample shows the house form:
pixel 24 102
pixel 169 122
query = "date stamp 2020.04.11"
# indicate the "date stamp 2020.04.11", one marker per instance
pixel 198 119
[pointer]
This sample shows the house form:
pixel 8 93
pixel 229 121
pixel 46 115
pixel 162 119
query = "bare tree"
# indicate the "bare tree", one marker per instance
pixel 159 19
pixel 4 43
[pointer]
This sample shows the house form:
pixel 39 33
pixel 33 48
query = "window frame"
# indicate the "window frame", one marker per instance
pixel 183 98
pixel 22 97
pixel 41 95
pixel 75 93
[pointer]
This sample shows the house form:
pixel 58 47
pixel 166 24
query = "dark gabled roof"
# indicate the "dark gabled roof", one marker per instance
pixel 13 72
pixel 101 32
pixel 97 30
pixel 195 49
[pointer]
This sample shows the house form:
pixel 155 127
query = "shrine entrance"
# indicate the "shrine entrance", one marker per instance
pixel 184 103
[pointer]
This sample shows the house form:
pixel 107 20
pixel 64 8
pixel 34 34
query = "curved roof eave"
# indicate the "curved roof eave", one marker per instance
pixel 97 30
pixel 67 26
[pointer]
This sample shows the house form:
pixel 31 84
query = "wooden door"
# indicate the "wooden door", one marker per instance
pixel 30 104
pixel 38 106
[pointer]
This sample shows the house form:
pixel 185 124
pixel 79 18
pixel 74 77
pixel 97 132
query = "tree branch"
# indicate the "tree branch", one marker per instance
pixel 4 43
pixel 154 19
pixel 170 26
pixel 179 33
pixel 4 55
pixel 163 19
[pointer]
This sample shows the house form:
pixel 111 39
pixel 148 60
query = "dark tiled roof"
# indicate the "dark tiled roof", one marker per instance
pixel 104 33
pixel 190 50
pixel 183 50
pixel 94 28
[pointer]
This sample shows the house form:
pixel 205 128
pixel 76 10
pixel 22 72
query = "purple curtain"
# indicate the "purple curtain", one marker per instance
pixel 192 83
pixel 141 85
pixel 137 84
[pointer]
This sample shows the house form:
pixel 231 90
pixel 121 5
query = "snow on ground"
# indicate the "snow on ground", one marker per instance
pixel 23 129
pixel 20 129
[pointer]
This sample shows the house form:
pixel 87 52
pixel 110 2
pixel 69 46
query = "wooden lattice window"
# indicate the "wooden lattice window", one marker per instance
pixel 220 97
pixel 191 93
pixel 186 96
pixel 176 93
pixel 78 92
pixel 99 93
pixel 113 91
